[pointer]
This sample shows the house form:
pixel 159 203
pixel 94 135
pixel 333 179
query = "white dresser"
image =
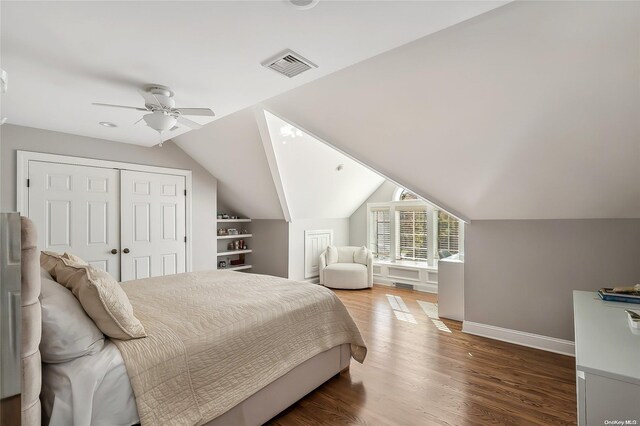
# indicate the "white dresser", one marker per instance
pixel 607 362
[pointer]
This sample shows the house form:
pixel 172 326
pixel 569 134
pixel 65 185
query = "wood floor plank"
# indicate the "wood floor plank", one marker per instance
pixel 425 371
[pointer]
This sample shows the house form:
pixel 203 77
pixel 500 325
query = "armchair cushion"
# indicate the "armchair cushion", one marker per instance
pixel 360 255
pixel 345 254
pixel 346 275
pixel 332 255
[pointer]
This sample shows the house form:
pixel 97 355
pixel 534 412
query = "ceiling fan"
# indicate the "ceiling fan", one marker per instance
pixel 163 115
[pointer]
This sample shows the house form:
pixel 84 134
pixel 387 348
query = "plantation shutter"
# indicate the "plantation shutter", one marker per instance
pixel 414 239
pixel 448 233
pixel 381 241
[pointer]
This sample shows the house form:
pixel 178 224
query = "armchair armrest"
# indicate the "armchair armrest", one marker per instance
pixel 322 264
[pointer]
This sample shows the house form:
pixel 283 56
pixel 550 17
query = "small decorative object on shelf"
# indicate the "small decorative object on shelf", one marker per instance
pixel 222 231
pixel 233 217
pixel 225 216
pixel 230 245
pixel 236 245
pixel 244 232
pixel 232 231
pixel 222 264
pixel 219 216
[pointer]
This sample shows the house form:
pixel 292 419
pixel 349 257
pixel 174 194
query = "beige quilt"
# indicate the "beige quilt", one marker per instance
pixel 215 338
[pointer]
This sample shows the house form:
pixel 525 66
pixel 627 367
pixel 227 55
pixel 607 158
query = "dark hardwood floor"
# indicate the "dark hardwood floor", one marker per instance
pixel 423 371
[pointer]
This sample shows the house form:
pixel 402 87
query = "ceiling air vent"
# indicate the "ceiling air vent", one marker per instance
pixel 289 63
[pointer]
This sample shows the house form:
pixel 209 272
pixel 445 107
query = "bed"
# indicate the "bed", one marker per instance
pixel 222 348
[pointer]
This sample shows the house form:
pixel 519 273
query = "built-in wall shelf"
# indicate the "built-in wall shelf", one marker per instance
pixel 228 245
pixel 235 268
pixel 232 252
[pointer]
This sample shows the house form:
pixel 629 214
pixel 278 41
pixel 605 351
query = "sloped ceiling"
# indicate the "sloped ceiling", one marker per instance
pixel 231 149
pixel 317 180
pixel 529 111
pixel 61 56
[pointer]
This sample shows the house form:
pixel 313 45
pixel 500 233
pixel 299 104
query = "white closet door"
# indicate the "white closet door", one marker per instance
pixel 153 226
pixel 77 209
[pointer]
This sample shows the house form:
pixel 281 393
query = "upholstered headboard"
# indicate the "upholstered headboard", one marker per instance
pixel 31 325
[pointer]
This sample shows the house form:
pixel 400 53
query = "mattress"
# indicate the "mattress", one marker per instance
pixel 93 389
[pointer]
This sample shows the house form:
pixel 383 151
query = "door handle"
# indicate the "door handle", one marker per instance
pixel 125 251
pixel 114 251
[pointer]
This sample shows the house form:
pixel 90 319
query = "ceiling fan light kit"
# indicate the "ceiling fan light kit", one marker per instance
pixel 163 115
pixel 159 121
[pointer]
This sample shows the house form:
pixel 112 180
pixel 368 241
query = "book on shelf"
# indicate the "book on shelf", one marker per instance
pixel 628 297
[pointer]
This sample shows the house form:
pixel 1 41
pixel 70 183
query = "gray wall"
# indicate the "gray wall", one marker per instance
pixel 296 240
pixel 13 138
pixel 358 220
pixel 270 244
pixel 520 274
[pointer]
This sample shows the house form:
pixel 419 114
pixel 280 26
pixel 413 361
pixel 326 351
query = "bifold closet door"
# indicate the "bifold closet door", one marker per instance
pixel 77 209
pixel 153 228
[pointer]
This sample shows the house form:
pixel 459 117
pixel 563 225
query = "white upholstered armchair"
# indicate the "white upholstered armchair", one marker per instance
pixel 346 267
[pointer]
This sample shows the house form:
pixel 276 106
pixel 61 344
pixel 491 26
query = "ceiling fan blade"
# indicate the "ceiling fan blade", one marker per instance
pixel 119 106
pixel 188 123
pixel 204 112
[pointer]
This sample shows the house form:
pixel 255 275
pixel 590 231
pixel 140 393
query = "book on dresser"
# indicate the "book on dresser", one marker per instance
pixel 610 296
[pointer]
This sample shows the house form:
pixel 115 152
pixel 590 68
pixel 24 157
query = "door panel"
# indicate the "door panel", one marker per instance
pixel 76 209
pixel 315 243
pixel 153 224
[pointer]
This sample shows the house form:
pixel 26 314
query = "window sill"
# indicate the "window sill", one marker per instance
pixel 405 263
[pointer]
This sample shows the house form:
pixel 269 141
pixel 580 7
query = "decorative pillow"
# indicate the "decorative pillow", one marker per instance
pixel 102 298
pixel 360 255
pixel 332 255
pixel 67 332
pixel 49 260
pixel 74 258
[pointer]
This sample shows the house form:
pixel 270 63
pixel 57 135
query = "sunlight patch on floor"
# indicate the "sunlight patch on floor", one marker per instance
pixel 431 310
pixel 400 309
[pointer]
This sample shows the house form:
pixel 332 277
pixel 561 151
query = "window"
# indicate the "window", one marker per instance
pixel 410 228
pixel 414 238
pixel 406 195
pixel 381 235
pixel 448 233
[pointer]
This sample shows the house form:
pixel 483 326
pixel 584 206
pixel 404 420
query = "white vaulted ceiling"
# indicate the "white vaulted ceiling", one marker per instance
pixel 531 111
pixel 317 180
pixel 62 56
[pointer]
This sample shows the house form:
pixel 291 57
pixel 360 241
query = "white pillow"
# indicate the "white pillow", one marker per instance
pixel 67 332
pixel 332 255
pixel 360 255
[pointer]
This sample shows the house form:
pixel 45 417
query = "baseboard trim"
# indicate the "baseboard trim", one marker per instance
pixel 537 341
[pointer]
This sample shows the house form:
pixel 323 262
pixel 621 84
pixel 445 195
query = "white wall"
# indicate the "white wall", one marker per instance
pixel 358 220
pixel 520 274
pixel 270 244
pixel 296 240
pixel 13 138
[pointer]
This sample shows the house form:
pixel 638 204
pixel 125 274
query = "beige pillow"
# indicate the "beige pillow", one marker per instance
pixel 49 260
pixel 102 298
pixel 332 255
pixel 360 255
pixel 74 258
